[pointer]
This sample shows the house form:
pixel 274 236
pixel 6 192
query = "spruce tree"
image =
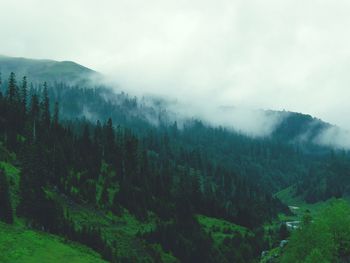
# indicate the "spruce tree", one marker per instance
pixel 45 107
pixel 34 114
pixel 32 183
pixel 6 214
pixel 12 90
pixel 24 93
pixel 109 142
pixel 98 134
pixel 56 115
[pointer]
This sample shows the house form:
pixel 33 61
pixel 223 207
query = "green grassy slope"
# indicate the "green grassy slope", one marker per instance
pixel 20 245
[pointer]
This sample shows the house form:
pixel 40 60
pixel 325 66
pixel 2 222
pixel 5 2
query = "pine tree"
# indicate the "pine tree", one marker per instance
pixel 14 113
pixel 98 134
pixel 12 90
pixel 45 107
pixel 86 137
pixel 56 115
pixel 24 93
pixel 34 114
pixel 6 214
pixel 34 107
pixel 2 109
pixel 32 194
pixel 109 132
pixel 109 142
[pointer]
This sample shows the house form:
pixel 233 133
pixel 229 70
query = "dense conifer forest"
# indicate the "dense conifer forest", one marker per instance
pixel 87 158
pixel 110 168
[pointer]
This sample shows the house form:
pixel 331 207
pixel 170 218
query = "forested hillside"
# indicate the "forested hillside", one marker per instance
pixel 122 176
pixel 108 169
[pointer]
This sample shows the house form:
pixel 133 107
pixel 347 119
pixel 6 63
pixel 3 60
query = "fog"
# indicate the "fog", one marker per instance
pixel 206 55
pixel 251 122
pixel 334 137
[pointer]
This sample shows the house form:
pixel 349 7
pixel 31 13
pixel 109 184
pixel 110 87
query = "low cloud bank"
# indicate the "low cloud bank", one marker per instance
pixel 251 122
pixel 334 137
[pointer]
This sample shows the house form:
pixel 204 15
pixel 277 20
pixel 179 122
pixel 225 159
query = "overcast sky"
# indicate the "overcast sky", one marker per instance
pixel 270 54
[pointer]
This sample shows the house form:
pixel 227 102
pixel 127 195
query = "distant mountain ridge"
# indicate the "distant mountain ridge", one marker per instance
pixel 41 70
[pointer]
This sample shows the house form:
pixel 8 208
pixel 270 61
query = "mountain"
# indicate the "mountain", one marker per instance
pixel 41 70
pixel 128 178
pixel 131 190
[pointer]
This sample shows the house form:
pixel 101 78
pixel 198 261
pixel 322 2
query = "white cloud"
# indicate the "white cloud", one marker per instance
pixel 334 137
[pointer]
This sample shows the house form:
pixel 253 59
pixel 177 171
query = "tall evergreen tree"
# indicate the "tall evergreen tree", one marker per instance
pixel 45 107
pixel 12 90
pixel 32 183
pixel 24 92
pixel 34 114
pixel 6 213
pixel 98 134
pixel 109 142
pixel 56 115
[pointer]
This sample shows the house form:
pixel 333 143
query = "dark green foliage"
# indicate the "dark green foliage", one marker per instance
pixel 89 236
pixel 56 116
pixel 185 239
pixel 24 93
pixel 6 213
pixel 34 203
pixel 12 90
pixel 330 177
pixel 45 108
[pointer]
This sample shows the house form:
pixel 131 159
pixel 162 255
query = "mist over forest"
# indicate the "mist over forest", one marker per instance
pixel 174 131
